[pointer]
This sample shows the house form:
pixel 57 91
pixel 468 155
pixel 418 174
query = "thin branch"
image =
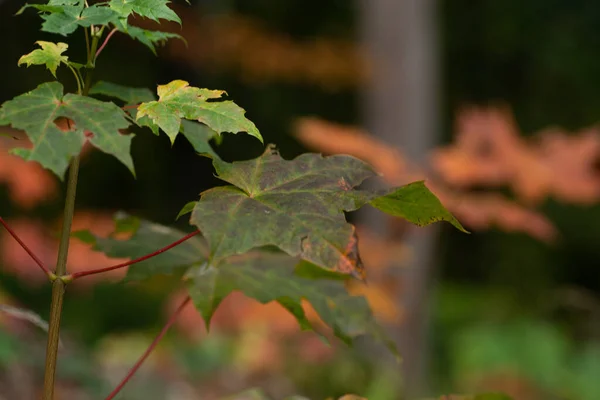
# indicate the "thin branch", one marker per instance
pixel 80 274
pixel 105 42
pixel 129 107
pixel 152 346
pixel 24 246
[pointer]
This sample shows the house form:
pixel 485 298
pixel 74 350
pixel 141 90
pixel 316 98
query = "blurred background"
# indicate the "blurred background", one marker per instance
pixel 494 103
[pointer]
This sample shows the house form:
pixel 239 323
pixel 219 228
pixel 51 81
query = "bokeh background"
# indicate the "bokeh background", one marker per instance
pixel 494 103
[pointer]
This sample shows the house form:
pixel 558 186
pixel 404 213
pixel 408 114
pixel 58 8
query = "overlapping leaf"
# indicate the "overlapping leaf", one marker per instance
pixel 49 55
pixel 295 205
pixel 197 134
pixel 262 275
pixel 177 101
pixel 36 111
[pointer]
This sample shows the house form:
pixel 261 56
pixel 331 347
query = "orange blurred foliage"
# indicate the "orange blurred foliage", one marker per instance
pixel 242 45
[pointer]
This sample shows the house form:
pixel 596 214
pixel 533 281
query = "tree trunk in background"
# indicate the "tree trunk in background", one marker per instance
pixel 401 108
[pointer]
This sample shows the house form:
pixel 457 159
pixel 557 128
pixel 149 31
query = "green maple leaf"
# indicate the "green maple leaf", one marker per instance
pixel 50 55
pixel 197 134
pixel 298 206
pixel 151 39
pixel 64 17
pixel 152 9
pixel 36 111
pixel 295 205
pixel 177 101
pixel 263 275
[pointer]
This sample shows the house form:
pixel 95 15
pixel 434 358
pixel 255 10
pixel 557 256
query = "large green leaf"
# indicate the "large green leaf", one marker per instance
pixel 177 101
pixel 147 237
pixel 36 111
pixel 416 204
pixel 50 55
pixel 295 205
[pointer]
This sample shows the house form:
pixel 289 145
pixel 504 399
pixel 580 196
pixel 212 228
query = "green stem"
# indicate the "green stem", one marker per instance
pixel 58 286
pixel 77 78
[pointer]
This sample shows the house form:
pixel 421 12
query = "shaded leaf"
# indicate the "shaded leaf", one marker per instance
pixel 50 55
pixel 267 276
pixel 130 95
pixel 199 136
pixel 178 100
pixel 295 205
pixel 147 237
pixel 151 39
pixel 36 111
pixel 415 203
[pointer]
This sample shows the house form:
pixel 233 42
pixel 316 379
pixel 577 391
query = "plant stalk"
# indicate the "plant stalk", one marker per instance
pixel 58 286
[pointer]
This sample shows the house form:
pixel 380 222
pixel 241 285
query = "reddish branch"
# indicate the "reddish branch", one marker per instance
pixel 105 42
pixel 152 346
pixel 80 274
pixel 130 107
pixel 24 246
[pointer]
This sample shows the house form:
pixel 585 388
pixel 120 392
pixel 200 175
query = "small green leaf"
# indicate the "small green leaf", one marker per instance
pixel 178 100
pixel 152 9
pixel 147 237
pixel 151 39
pixel 415 203
pixel 50 55
pixel 97 14
pixel 188 208
pixel 36 111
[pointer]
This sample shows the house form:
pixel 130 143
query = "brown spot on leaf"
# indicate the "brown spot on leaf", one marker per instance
pixel 350 261
pixel 344 184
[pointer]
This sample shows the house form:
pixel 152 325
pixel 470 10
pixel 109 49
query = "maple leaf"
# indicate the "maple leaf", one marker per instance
pixel 64 17
pixel 178 100
pixel 197 134
pixel 295 205
pixel 50 55
pixel 36 112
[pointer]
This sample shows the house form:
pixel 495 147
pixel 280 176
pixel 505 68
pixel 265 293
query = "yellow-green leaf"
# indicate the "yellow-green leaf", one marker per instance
pixel 50 55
